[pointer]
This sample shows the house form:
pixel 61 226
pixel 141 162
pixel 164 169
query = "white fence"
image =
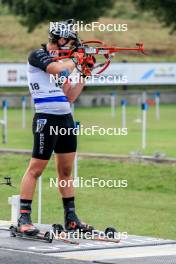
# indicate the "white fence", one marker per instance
pixel 14 74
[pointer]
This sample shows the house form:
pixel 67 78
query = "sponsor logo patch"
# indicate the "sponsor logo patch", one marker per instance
pixel 40 125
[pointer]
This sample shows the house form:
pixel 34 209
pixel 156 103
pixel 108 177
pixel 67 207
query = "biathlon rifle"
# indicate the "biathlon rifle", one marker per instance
pixel 91 49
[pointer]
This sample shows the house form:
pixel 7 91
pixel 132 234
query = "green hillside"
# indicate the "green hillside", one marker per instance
pixel 15 42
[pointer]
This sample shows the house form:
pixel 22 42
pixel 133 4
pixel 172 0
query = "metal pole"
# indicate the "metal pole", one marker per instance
pixel 144 108
pixel 24 112
pixel 5 105
pixel 113 104
pixel 157 105
pixel 123 104
pixel 144 97
pixel 138 120
pixel 40 200
pixel 3 131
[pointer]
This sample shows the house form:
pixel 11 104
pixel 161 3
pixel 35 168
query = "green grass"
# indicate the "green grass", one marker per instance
pixel 160 134
pixel 145 207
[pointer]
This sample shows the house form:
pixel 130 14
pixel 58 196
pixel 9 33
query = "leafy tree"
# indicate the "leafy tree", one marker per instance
pixel 164 10
pixel 32 12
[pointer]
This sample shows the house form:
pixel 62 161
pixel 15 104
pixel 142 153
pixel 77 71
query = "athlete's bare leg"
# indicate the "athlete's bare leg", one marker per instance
pixel 28 183
pixel 64 163
pixel 27 189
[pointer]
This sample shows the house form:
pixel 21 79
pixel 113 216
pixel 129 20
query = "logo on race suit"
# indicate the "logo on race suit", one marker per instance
pixel 40 125
pixel 42 139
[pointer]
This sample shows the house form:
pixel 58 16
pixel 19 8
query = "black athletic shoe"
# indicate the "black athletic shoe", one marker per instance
pixel 72 223
pixel 25 225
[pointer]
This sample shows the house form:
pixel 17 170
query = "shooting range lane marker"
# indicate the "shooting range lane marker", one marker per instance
pixel 5 120
pixel 157 105
pixel 113 104
pixel 144 96
pixel 138 112
pixel 2 123
pixel 123 104
pixel 144 107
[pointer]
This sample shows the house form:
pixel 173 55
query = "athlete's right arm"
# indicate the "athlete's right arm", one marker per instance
pixel 57 67
pixel 41 59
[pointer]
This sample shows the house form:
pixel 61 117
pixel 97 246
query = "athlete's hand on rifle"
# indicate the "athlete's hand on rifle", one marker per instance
pixel 88 65
pixel 89 61
pixel 78 58
pixel 86 62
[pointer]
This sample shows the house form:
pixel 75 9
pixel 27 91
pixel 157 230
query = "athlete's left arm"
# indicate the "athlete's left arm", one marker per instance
pixel 72 92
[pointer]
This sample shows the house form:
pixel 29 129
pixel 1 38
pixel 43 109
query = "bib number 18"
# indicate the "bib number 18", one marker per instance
pixel 35 86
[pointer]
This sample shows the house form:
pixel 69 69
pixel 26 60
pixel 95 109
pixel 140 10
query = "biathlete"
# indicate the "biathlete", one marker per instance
pixel 52 108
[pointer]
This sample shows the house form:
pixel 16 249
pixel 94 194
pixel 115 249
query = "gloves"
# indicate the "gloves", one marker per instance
pixel 90 61
pixel 85 71
pixel 78 58
pixel 87 65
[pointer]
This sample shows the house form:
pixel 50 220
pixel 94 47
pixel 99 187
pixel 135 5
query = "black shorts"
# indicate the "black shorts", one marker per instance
pixel 53 133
